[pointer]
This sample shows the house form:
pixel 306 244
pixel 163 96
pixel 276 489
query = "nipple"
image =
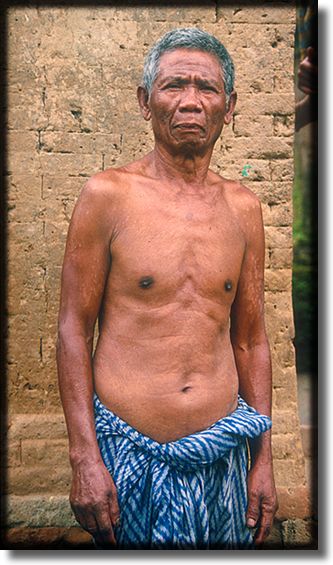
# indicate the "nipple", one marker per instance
pixel 146 282
pixel 228 285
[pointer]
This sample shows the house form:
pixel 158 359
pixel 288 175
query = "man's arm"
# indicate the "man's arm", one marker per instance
pixel 86 265
pixel 252 356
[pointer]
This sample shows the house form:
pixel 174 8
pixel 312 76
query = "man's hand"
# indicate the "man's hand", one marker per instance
pixel 262 500
pixel 93 499
pixel 308 72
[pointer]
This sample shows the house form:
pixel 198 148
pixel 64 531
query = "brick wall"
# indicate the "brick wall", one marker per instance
pixel 72 111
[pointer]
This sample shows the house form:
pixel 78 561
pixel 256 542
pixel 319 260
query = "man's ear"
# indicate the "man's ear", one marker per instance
pixel 143 99
pixel 231 107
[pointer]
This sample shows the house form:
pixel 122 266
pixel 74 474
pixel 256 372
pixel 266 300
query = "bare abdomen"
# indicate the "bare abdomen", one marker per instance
pixel 170 387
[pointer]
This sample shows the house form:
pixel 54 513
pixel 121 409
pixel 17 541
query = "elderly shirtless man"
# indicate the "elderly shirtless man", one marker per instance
pixel 169 257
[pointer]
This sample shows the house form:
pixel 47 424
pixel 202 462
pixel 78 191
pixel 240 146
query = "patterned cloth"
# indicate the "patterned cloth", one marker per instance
pixel 306 34
pixel 186 494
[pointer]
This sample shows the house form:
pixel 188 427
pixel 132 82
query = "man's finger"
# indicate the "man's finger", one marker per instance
pixel 311 54
pixel 261 534
pixel 105 533
pixel 307 68
pixel 114 509
pixel 252 513
pixel 265 524
pixel 87 521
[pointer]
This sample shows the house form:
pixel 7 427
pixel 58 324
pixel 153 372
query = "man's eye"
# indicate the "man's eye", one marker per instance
pixel 173 85
pixel 208 88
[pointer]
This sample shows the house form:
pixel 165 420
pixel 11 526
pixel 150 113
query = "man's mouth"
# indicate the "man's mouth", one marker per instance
pixel 190 126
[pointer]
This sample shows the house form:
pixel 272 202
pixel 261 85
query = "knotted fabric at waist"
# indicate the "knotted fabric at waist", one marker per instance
pixel 198 449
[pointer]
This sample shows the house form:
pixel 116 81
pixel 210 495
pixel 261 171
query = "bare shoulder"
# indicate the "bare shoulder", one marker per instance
pixel 102 185
pixel 96 211
pixel 244 206
pixel 240 197
pixel 113 183
pixel 243 203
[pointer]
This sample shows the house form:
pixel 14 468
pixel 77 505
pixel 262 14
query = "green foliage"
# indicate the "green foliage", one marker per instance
pixel 305 316
pixel 305 266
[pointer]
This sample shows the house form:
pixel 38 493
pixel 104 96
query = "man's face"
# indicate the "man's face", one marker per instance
pixel 187 105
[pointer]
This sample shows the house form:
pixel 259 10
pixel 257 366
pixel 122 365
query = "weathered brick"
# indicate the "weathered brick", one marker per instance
pixel 26 291
pixel 20 162
pixel 270 38
pixel 74 142
pixel 22 141
pixel 278 214
pixel 55 240
pixel 74 165
pixel 122 35
pixel 284 125
pixel 300 534
pixel 183 12
pixel 263 12
pixel 25 242
pixel 48 452
pixel 38 396
pixel 284 376
pixel 270 193
pixel 26 480
pixel 136 146
pixel 282 79
pixel 278 331
pixel 280 304
pixel 309 434
pixel 281 258
pixel 37 426
pixel 48 538
pixel 264 103
pixel 285 420
pixel 261 126
pixel 259 170
pixel 32 385
pixel 284 446
pixel 127 77
pixel 283 353
pixel 282 170
pixel 24 197
pixel 284 396
pixel 264 148
pixel 36 511
pixel 288 473
pixel 12 455
pixel 278 237
pixel 294 502
pixel 277 280
pixel 56 187
pixel 26 109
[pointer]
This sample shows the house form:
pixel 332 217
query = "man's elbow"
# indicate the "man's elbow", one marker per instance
pixel 250 343
pixel 73 330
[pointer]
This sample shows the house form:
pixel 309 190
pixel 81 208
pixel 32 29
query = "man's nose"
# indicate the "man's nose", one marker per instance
pixel 190 100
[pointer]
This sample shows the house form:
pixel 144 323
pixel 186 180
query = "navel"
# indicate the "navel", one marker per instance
pixel 228 285
pixel 146 282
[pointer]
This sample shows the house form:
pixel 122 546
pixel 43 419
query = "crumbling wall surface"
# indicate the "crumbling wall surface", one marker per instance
pixel 72 111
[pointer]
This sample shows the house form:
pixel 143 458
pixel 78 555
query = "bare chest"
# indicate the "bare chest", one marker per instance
pixel 165 248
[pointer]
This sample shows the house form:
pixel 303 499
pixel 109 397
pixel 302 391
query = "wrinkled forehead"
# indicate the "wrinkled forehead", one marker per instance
pixel 185 60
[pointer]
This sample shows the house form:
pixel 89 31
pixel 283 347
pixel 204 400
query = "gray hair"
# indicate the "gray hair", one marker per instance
pixel 188 38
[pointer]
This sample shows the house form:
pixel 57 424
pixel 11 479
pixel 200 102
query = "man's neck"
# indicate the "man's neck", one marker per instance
pixel 184 169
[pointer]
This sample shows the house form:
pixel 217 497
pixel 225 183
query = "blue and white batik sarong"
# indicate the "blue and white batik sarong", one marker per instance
pixel 186 494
